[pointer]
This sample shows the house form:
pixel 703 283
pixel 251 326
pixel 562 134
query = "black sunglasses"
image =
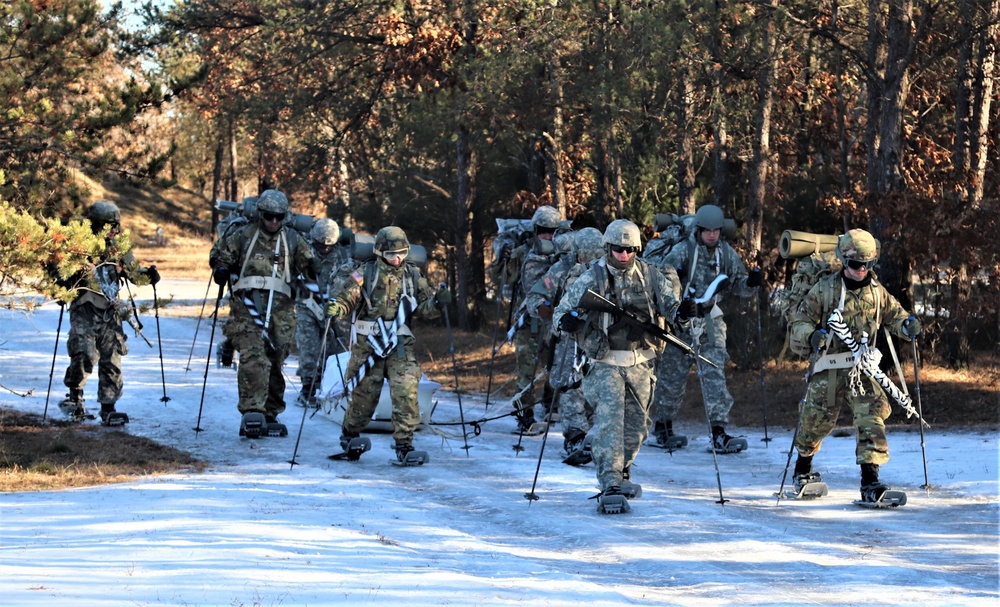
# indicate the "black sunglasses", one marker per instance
pixel 272 216
pixel 620 249
pixel 856 265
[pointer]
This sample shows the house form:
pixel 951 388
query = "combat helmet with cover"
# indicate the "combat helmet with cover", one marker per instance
pixel 588 244
pixel 391 239
pixel 546 219
pixel 858 245
pixel 103 213
pixel 272 201
pixel 709 217
pixel 325 232
pixel 623 233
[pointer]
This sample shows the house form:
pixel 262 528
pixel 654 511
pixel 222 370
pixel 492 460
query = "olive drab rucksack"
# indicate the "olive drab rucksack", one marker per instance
pixel 817 258
pixel 675 229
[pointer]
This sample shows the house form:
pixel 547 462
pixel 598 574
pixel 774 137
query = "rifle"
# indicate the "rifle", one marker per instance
pixel 636 326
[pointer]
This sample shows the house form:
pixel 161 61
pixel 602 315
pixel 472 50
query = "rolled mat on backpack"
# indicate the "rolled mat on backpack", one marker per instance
pixel 795 244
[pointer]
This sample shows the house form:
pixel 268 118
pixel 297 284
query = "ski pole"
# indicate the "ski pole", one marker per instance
pixel 198 326
pixel 696 343
pixel 454 367
pixel 159 342
pixel 760 360
pixel 312 384
pixel 55 351
pixel 496 331
pixel 531 495
pixel 215 319
pixel 920 410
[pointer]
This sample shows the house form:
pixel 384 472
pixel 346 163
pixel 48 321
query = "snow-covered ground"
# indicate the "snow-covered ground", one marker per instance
pixel 253 530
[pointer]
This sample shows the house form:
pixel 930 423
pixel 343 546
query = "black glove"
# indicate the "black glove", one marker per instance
pixel 221 275
pixel 911 327
pixel 818 339
pixel 570 323
pixel 687 309
pixel 154 276
pixel 442 298
pixel 755 278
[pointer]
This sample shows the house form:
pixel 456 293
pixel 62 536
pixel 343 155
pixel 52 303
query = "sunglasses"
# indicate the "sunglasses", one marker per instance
pixel 856 265
pixel 272 216
pixel 620 249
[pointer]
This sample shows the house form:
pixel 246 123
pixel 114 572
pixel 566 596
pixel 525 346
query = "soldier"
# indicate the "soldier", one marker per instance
pixel 575 413
pixel 310 315
pixel 95 316
pixel 261 259
pixel 835 379
pixel 374 291
pixel 523 267
pixel 698 262
pixel 620 379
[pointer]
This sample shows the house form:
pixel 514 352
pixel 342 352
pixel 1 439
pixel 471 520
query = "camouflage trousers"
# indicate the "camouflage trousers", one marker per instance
pixel 819 416
pixel 309 341
pixel 576 414
pixel 621 397
pixel 96 337
pixel 402 372
pixel 259 378
pixel 532 358
pixel 672 368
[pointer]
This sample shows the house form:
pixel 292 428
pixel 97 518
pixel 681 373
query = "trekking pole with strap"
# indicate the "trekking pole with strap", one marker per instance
pixel 531 495
pixel 302 424
pixel 208 360
pixel 454 366
pixel 159 342
pixel 760 361
pixel 696 345
pixel 55 351
pixel 198 326
pixel 920 410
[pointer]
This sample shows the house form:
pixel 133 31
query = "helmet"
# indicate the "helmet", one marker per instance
pixel 709 217
pixel 272 201
pixel 546 217
pixel 857 245
pixel 325 232
pixel 589 243
pixel 563 243
pixel 391 239
pixel 621 232
pixel 102 213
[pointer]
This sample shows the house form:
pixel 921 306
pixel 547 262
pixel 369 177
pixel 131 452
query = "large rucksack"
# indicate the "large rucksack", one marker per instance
pixel 673 230
pixel 815 261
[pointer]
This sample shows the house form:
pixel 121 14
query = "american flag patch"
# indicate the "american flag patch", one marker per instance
pixel 549 283
pixel 358 277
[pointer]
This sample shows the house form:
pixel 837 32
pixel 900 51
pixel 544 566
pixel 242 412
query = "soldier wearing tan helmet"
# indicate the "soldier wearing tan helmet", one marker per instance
pixel 866 306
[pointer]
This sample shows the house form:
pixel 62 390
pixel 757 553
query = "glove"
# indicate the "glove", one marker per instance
pixel 505 253
pixel 818 339
pixel 911 327
pixel 545 310
pixel 687 309
pixel 570 323
pixel 442 298
pixel 336 310
pixel 154 276
pixel 755 278
pixel 221 275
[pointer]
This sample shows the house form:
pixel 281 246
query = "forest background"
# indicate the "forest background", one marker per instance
pixel 442 116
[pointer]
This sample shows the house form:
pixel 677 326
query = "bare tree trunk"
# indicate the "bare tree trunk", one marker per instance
pixel 233 188
pixel 220 153
pixel 465 170
pixel 720 149
pixel 762 140
pixel 985 78
pixel 685 147
pixel 553 139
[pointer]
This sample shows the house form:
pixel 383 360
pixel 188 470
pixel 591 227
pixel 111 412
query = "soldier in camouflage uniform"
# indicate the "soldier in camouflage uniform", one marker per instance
pixel 310 315
pixel 95 316
pixel 373 289
pixel 698 262
pixel 523 267
pixel 262 259
pixel 620 379
pixel 575 413
pixel 866 306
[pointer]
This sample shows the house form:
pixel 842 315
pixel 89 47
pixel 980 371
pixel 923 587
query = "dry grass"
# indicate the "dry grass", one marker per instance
pixel 37 456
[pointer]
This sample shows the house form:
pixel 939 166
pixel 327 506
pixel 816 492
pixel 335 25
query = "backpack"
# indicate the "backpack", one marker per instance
pixel 673 231
pixel 808 272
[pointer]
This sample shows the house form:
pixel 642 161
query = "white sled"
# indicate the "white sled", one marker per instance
pixel 333 405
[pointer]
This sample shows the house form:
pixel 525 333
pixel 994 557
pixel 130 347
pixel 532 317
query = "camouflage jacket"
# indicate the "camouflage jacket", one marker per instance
pixel 641 289
pixel 550 287
pixel 708 263
pixel 372 289
pixel 101 285
pixel 865 310
pixel 525 267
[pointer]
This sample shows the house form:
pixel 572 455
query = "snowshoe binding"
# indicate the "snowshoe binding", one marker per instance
pixel 274 427
pixel 612 501
pixel 664 438
pixel 809 486
pixel 407 456
pixel 253 424
pixel 112 418
pixel 723 443
pixel 72 406
pixel 353 448
pixel 880 496
pixel 578 451
pixel 631 490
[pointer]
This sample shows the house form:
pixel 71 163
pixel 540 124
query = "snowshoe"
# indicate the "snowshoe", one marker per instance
pixel 612 501
pixel 112 418
pixel 578 452
pixel 808 486
pixel 253 424
pixel 407 456
pixel 273 427
pixel 72 407
pixel 353 448
pixel 671 442
pixel 880 496
pixel 631 490
pixel 723 443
